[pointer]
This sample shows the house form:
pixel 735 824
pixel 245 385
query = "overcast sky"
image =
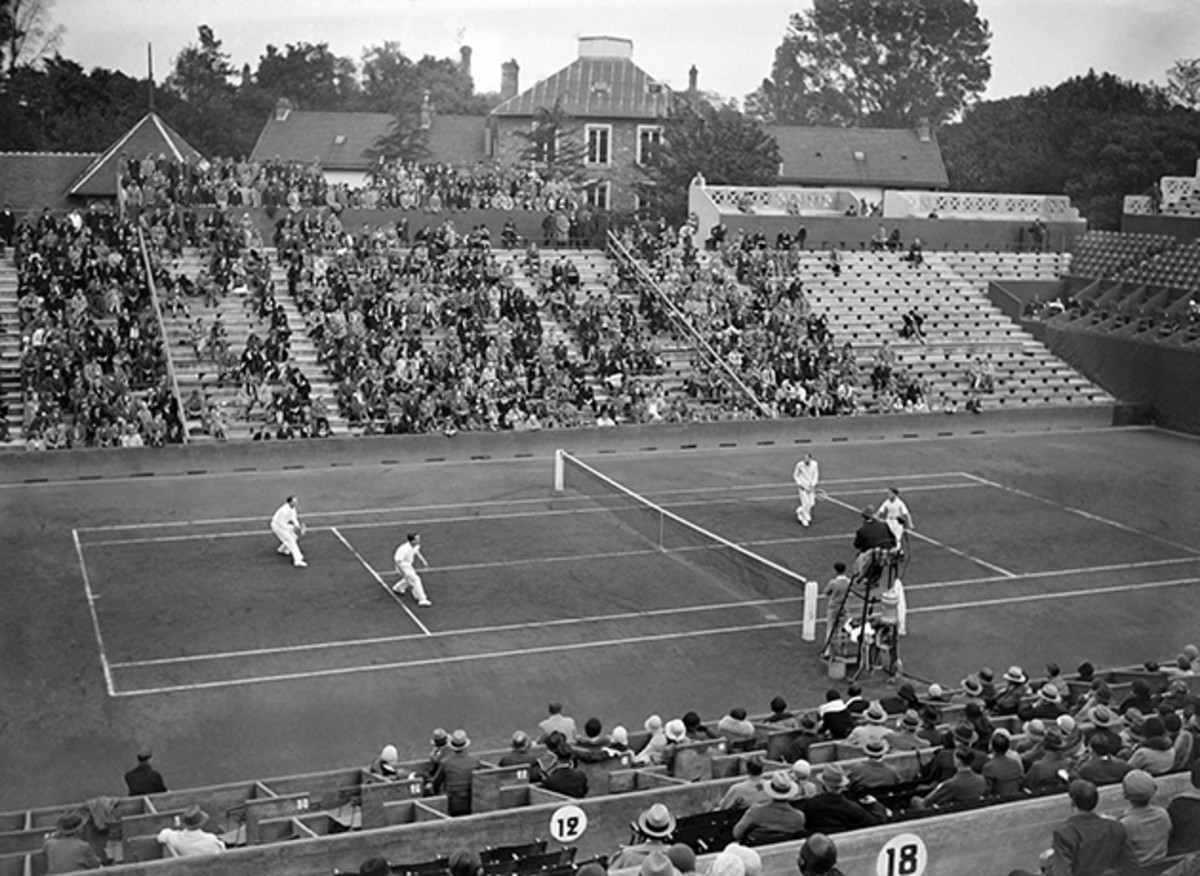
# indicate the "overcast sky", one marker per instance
pixel 731 42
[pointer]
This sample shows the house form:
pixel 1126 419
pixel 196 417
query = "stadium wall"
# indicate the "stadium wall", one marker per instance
pixel 1155 377
pixel 17 466
pixel 1180 227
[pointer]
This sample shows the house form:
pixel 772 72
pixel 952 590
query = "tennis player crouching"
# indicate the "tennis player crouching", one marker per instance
pixel 286 525
pixel 408 553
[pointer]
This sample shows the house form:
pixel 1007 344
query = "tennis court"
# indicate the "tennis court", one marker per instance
pixel 165 619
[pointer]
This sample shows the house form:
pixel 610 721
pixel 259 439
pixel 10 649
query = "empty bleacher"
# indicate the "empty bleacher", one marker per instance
pixel 1108 253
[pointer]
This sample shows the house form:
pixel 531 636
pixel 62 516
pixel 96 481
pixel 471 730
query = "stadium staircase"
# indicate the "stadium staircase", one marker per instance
pixel 866 303
pixel 10 347
pixel 200 373
pixel 321 821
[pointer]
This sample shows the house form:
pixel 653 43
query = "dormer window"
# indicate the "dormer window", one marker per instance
pixel 339 140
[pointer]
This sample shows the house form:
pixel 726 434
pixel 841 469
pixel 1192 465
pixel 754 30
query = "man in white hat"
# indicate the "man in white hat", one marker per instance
pixel 774 819
pixel 288 528
pixel 654 829
pixel 191 840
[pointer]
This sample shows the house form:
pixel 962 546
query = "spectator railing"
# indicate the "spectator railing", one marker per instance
pixel 714 361
pixel 162 331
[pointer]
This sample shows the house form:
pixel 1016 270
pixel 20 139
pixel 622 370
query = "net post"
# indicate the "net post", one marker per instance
pixel 558 470
pixel 808 628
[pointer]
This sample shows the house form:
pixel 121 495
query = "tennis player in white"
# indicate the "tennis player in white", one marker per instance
pixel 408 553
pixel 806 474
pixel 286 525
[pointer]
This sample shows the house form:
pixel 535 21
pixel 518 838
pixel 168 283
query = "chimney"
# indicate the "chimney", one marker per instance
pixel 464 60
pixel 693 78
pixel 923 132
pixel 426 112
pixel 509 72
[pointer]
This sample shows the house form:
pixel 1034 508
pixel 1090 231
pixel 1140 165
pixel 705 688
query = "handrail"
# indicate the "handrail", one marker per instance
pixel 162 330
pixel 712 358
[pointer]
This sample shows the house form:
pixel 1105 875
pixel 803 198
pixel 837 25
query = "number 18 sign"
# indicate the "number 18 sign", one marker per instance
pixel 904 855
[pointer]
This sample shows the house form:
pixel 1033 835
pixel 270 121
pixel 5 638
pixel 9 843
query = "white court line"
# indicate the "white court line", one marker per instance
pixel 499 628
pixel 609 643
pixel 1086 514
pixel 933 541
pixel 606 618
pixel 503 503
pixel 91 598
pixel 392 593
pixel 468 518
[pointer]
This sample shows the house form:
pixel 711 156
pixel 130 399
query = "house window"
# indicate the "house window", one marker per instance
pixel 598 141
pixel 596 195
pixel 648 141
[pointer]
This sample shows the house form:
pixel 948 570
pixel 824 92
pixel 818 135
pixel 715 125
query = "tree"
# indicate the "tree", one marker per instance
pixel 1095 138
pixel 883 63
pixel 310 76
pixel 723 145
pixel 28 32
pixel 390 78
pixel 553 144
pixel 1183 82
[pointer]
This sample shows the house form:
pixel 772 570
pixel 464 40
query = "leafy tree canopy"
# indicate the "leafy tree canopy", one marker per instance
pixel 1094 138
pixel 723 145
pixel 1183 82
pixel 309 75
pixel 879 63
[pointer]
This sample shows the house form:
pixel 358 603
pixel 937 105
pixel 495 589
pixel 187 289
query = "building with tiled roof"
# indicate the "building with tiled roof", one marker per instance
pixel 861 158
pixel 30 181
pixel 614 105
pixel 344 143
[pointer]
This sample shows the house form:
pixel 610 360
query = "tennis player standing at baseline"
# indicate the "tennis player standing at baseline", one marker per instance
pixel 286 525
pixel 807 474
pixel 408 552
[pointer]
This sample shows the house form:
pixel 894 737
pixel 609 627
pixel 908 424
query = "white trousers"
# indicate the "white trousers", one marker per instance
pixel 804 509
pixel 409 579
pixel 287 537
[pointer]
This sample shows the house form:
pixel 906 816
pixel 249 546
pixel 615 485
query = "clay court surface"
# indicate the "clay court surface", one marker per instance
pixel 155 611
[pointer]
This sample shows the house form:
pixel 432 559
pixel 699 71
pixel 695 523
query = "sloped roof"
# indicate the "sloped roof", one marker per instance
pixel 150 136
pixel 33 180
pixel 343 141
pixel 594 88
pixel 892 157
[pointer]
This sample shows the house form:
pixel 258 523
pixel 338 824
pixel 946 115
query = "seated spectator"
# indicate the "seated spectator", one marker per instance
pixel 738 731
pixel 751 860
pixel 561 775
pixel 144 778
pixel 1047 704
pixel 192 839
pixel 464 862
pixel 454 775
pixel 1003 772
pixel 872 772
pixel 780 716
pixel 556 722
pixel 831 810
pixel 906 736
pixel 904 699
pixel 874 726
pixel 802 776
pixel 696 729
pixel 801 741
pixel 653 830
pixel 65 849
pixel 1147 827
pixel 964 787
pixel 682 857
pixel 1154 753
pixel 774 819
pixel 656 745
pixel 1184 810
pixel 592 746
pixel 818 857
pixel 385 764
pixel 1008 700
pixel 1051 771
pixel 374 866
pixel 744 794
pixel 1086 842
pixel 1102 767
pixel 522 753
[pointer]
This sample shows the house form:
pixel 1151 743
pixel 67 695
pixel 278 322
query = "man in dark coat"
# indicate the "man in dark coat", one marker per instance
pixel 453 775
pixel 144 778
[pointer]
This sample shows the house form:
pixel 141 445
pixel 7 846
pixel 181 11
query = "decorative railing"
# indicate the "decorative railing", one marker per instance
pixel 977 205
pixel 789 201
pixel 1138 205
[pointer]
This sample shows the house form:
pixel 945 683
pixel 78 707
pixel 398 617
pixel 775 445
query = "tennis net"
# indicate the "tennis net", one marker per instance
pixel 670 533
